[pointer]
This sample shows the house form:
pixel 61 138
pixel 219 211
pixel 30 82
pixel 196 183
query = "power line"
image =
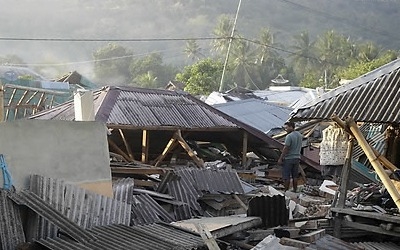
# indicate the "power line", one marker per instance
pixel 286 51
pixel 92 61
pixel 108 39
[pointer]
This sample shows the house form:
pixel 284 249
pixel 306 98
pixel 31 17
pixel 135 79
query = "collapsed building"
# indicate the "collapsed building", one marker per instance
pixel 371 101
pixel 167 163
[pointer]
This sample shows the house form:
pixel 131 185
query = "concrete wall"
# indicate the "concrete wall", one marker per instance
pixel 76 152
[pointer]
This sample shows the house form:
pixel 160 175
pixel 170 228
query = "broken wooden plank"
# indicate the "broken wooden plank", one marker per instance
pixel 119 151
pixel 221 226
pixel 207 236
pixel 170 145
pixel 128 148
pixel 294 243
pixel 178 136
pixel 312 236
pixel 241 203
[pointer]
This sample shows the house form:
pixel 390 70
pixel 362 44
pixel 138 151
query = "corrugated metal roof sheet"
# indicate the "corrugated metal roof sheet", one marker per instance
pixel 40 207
pixel 376 245
pixel 329 242
pixel 271 209
pixel 212 181
pixel 11 230
pixel 188 184
pixel 145 210
pixel 120 237
pixel 256 113
pixel 80 206
pixel 183 190
pixel 372 97
pixel 145 108
pixel 283 95
pixel 123 190
pixel 374 137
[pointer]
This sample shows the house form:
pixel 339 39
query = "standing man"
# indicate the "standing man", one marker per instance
pixel 290 156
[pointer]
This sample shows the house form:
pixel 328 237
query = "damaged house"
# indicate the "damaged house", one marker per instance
pixel 158 127
pixel 368 109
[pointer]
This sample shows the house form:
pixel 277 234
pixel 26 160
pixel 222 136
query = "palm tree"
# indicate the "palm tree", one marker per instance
pixel 265 44
pixel 147 80
pixel 193 50
pixel 303 57
pixel 333 51
pixel 222 32
pixel 243 64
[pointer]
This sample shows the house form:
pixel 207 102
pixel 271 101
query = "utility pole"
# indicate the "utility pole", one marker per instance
pixel 222 85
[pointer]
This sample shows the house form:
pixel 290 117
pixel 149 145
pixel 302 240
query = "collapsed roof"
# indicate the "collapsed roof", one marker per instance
pixel 164 112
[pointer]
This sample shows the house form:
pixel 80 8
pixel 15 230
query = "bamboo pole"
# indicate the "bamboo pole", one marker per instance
pixel 371 157
pixel 385 161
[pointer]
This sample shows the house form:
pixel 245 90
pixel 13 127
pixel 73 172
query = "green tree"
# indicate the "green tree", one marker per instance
pixel 333 51
pixel 112 64
pixel 368 52
pixel 310 80
pixel 151 65
pixel 201 78
pixel 360 68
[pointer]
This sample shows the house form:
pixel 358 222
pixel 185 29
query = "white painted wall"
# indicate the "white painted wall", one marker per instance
pixel 73 151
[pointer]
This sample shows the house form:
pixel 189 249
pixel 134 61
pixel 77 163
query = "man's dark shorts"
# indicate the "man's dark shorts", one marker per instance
pixel 290 168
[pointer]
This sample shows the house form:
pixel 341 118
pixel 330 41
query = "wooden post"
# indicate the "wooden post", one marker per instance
pixel 373 159
pixel 244 151
pixel 344 179
pixel 128 148
pixel 145 146
pixel 343 188
pixel 1 102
